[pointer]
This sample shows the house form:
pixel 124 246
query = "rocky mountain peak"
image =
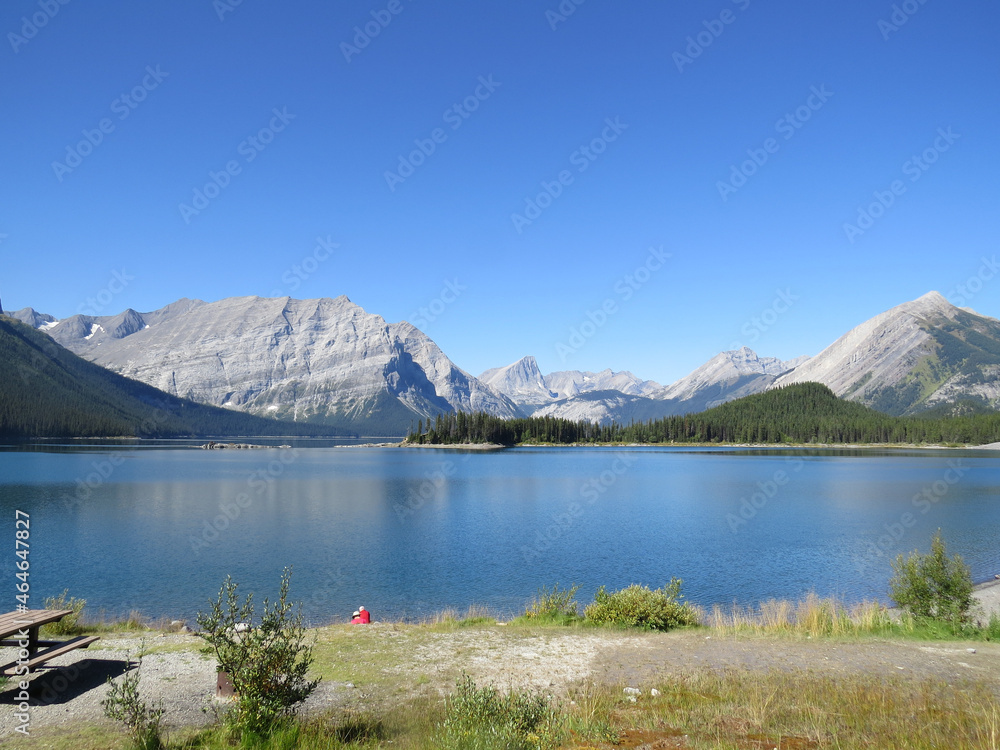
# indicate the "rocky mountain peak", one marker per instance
pixel 314 360
pixel 522 382
pixel 34 318
pixel 910 357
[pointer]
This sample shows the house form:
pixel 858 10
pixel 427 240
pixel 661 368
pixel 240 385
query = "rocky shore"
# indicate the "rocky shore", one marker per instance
pixel 213 446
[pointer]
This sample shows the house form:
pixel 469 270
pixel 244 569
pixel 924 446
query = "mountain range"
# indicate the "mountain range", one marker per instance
pixel 322 360
pixel 327 361
pixel 919 355
pixel 47 391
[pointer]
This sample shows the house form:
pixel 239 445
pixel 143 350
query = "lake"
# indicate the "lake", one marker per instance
pixel 156 527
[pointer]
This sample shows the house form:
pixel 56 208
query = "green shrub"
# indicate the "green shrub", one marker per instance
pixel 486 719
pixel 124 704
pixel 639 607
pixel 992 629
pixel 267 660
pixel 555 605
pixel 70 624
pixel 933 586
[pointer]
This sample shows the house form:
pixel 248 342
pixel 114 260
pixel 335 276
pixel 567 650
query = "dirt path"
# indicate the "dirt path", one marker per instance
pixel 375 663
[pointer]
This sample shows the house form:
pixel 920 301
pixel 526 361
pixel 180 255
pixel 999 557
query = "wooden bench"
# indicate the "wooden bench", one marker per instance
pixel 55 648
pixel 20 630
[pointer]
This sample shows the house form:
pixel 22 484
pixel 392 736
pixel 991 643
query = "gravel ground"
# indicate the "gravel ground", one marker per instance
pixel 988 595
pixel 176 674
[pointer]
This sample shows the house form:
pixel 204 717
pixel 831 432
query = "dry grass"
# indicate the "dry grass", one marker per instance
pixel 102 622
pixel 812 616
pixel 695 708
pixel 451 618
pixel 794 709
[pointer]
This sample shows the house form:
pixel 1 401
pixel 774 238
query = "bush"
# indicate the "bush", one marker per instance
pixel 70 624
pixel 933 586
pixel 486 719
pixel 991 631
pixel 557 605
pixel 639 607
pixel 267 661
pixel 124 704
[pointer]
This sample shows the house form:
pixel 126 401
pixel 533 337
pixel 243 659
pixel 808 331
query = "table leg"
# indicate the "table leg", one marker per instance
pixel 33 641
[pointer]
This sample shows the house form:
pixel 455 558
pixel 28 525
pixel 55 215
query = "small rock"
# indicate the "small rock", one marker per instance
pixel 971 650
pixel 632 691
pixel 654 692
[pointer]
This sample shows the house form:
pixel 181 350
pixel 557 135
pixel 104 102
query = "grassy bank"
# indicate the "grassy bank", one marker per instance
pixel 809 674
pixel 700 709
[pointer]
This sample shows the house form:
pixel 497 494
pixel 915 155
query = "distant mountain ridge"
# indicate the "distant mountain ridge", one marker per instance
pixel 47 391
pixel 727 376
pixel 913 357
pixel 802 413
pixel 607 396
pixel 323 360
pixel 329 361
pixel 921 355
pixel 525 385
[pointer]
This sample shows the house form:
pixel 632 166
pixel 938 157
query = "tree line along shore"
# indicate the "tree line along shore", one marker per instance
pixel 805 414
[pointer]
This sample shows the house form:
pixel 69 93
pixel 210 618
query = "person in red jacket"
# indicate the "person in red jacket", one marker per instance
pixel 365 615
pixel 356 618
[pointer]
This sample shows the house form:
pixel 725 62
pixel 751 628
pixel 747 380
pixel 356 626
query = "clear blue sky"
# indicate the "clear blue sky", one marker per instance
pixel 208 84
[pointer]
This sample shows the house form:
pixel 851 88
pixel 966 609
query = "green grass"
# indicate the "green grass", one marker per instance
pixel 398 703
pixel 991 631
pixel 486 718
pixel 450 619
pixel 81 622
pixel 730 709
pixel 793 709
pixel 70 624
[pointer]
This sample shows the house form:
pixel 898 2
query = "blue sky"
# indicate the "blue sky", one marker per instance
pixel 507 167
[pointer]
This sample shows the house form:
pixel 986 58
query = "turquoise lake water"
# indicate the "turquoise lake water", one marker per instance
pixel 408 532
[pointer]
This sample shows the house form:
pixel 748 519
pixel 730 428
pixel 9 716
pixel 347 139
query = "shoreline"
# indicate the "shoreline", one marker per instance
pixel 455 446
pixel 222 443
pixel 369 670
pixel 987 594
pixel 773 446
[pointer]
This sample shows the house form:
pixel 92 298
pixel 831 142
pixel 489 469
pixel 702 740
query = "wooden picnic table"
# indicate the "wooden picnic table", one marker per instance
pixel 20 630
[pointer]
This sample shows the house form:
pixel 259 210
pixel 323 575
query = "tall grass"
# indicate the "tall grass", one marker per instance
pixel 134 621
pixel 817 617
pixel 448 619
pixel 70 624
pixel 483 718
pixel 553 606
pixel 811 616
pixel 992 628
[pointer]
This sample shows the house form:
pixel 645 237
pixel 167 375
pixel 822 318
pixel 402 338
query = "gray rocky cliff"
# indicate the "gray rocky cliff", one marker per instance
pixel 319 359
